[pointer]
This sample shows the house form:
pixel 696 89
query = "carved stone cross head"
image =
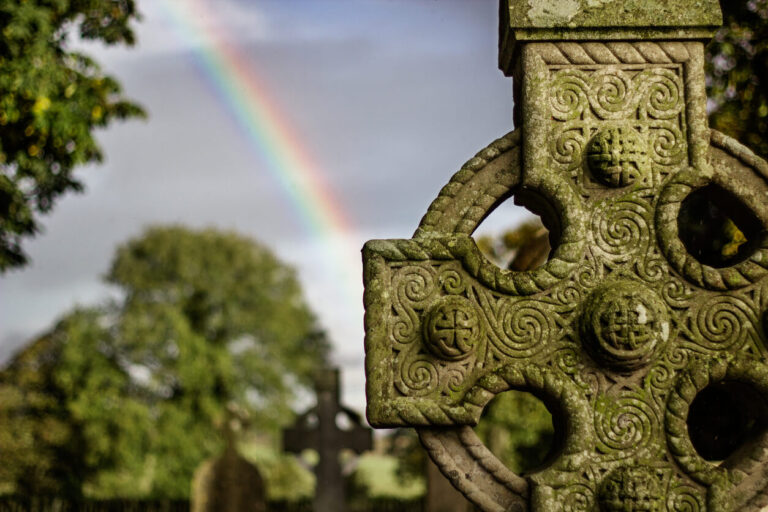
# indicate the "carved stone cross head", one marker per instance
pixel 643 333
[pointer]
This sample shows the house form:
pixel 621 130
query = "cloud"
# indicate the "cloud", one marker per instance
pixel 389 98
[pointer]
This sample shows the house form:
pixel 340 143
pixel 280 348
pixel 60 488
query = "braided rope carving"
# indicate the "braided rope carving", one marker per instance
pixel 528 377
pixel 464 249
pixel 442 447
pixel 638 52
pixel 435 220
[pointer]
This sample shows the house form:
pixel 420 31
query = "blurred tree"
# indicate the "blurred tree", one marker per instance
pixel 66 410
pixel 126 400
pixel 737 74
pixel 51 100
pixel 524 247
pixel 517 428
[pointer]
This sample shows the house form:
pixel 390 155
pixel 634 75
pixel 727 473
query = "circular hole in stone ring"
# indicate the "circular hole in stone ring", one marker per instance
pixel 717 228
pixel 477 471
pixel 724 417
pixel 711 223
pixel 519 428
pixel 717 419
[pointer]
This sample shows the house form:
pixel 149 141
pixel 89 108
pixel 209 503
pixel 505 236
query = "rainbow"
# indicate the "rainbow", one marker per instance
pixel 269 132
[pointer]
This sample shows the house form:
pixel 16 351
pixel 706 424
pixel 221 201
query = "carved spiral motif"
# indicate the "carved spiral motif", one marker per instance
pixel 667 144
pixel 676 293
pixel 588 276
pixel 661 376
pixel 567 146
pixel 524 326
pixel 418 376
pixel 684 498
pixel 651 269
pixel 569 95
pixel 569 296
pixel 454 377
pixel 567 360
pixel 624 423
pixel 577 498
pixel 721 323
pixel 451 280
pixel 662 93
pixel 413 285
pixel 452 328
pixel 611 94
pixel 620 228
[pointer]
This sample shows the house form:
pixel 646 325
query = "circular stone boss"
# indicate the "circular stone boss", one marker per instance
pixel 623 325
pixel 617 156
pixel 452 328
pixel 628 488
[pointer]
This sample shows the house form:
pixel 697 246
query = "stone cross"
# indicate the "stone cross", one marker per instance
pixel 318 429
pixel 647 346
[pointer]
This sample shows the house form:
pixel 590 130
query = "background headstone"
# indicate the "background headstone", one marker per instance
pixel 228 483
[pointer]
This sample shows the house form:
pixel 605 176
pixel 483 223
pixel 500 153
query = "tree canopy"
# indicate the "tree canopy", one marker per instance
pixel 737 74
pixel 51 100
pixel 126 399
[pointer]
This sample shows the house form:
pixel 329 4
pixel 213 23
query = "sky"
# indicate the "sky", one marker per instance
pixel 384 101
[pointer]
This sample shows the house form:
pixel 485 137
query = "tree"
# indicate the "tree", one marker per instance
pixel 66 410
pixel 51 101
pixel 737 74
pixel 137 389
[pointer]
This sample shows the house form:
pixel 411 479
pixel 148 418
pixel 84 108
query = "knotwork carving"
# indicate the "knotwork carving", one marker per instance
pixel 624 119
pixel 624 324
pixel 452 328
pixel 631 488
pixel 620 330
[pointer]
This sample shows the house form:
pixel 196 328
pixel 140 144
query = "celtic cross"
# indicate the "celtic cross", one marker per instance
pixel 318 429
pixel 633 324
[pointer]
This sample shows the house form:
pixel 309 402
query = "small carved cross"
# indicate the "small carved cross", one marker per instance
pixel 626 329
pixel 317 429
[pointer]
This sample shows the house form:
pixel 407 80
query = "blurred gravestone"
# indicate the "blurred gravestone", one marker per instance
pixel 228 483
pixel 328 428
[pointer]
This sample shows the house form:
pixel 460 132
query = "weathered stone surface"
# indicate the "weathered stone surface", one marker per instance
pixel 603 20
pixel 317 429
pixel 627 327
